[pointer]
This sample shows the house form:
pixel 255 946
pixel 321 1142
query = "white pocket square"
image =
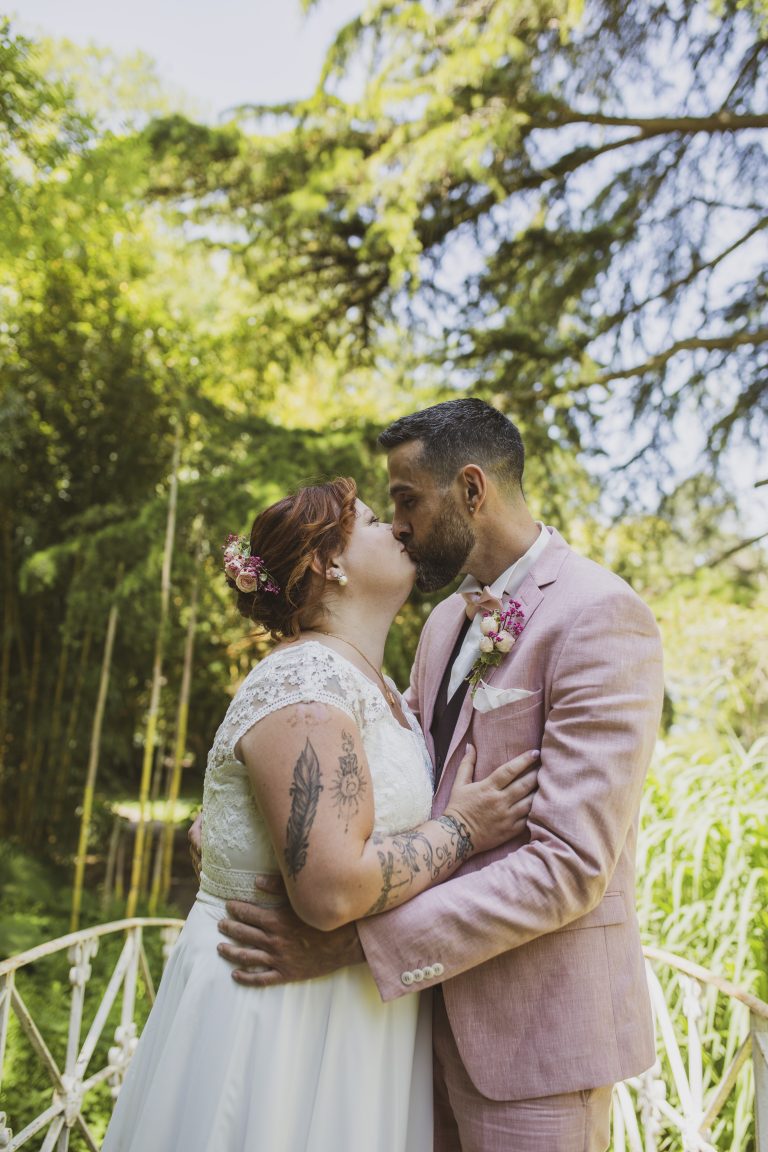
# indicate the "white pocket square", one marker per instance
pixel 487 697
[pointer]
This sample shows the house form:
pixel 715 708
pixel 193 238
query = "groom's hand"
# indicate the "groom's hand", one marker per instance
pixel 273 946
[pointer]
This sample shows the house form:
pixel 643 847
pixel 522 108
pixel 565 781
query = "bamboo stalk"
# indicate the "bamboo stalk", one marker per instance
pixel 107 893
pixel 57 719
pixel 27 767
pixel 152 845
pixel 58 700
pixel 5 646
pixel 157 671
pixel 62 773
pixel 93 764
pixel 163 887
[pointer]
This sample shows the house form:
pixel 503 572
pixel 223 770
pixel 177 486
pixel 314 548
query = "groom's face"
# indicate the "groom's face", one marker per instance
pixel 428 520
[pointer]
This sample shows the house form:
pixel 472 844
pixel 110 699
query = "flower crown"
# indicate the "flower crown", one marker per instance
pixel 248 572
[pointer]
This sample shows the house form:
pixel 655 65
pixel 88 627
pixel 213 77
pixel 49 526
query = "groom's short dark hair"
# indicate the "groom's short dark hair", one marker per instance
pixel 459 432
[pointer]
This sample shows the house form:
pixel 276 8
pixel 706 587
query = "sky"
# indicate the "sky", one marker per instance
pixel 221 54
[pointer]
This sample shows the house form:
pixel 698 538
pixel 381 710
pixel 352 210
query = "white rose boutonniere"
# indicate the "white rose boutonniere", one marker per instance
pixel 500 629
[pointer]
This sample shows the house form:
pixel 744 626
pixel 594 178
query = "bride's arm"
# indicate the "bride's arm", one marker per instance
pixel 310 776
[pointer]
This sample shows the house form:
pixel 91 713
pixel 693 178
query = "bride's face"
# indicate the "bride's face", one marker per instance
pixel 373 559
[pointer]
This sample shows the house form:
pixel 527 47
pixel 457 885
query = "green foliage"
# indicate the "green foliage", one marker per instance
pixel 497 183
pixel 703 860
pixel 703 891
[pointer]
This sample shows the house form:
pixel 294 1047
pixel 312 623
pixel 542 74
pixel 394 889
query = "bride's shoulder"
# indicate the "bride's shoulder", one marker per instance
pixel 308 655
pixel 306 667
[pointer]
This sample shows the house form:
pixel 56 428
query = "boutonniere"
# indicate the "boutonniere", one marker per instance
pixel 500 629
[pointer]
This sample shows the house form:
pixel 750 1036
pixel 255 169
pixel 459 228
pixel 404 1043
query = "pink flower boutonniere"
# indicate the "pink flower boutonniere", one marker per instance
pixel 500 629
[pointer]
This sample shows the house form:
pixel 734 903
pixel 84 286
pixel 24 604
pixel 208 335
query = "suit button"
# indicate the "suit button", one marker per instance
pixel 418 975
pixel 407 978
pixel 437 969
pixel 428 972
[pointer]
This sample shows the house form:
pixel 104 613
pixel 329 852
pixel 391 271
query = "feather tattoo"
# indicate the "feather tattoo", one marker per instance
pixel 305 793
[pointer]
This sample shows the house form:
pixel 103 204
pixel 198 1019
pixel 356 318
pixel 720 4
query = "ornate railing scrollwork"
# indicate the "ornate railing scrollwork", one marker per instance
pixel 675 1105
pixel 73 1077
pixel 678 1104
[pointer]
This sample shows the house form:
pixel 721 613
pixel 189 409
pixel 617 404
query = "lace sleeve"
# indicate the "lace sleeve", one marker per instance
pixel 308 673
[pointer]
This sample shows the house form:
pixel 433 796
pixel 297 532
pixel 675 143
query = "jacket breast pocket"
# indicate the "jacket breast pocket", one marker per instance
pixel 519 715
pixel 506 732
pixel 507 713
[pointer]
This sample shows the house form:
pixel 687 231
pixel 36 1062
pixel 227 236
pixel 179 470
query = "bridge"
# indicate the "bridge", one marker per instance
pixel 712 1045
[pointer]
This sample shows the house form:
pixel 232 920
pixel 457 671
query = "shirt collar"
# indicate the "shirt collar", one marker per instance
pixel 511 578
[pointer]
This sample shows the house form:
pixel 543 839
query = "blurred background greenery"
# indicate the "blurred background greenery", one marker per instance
pixel 557 206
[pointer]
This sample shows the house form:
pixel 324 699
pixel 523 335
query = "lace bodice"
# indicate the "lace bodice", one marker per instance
pixel 236 843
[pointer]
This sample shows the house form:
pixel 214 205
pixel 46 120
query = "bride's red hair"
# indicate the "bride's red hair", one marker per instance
pixel 314 523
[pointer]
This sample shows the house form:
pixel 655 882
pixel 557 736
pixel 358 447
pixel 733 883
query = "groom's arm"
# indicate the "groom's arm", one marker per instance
pixel 273 946
pixel 597 742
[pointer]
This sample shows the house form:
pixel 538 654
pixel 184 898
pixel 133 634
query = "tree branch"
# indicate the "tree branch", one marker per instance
pixel 736 548
pixel 682 281
pixel 722 121
pixel 692 344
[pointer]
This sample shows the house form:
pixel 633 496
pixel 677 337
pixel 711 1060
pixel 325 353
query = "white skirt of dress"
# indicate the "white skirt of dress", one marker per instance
pixel 320 1066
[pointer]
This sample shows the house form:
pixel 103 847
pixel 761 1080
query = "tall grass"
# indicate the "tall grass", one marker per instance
pixel 703 890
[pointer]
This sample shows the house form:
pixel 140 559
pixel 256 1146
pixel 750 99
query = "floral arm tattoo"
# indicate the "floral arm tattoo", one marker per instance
pixel 402 857
pixel 412 850
pixel 305 793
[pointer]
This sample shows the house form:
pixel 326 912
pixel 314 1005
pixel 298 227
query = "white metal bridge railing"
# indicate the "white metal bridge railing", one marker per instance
pixel 71 1077
pixel 712 1043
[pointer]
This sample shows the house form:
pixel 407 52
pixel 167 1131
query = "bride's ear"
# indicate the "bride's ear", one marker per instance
pixel 317 566
pixel 332 572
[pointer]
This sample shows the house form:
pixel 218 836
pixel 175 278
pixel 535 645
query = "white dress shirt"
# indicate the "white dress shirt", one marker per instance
pixel 506 584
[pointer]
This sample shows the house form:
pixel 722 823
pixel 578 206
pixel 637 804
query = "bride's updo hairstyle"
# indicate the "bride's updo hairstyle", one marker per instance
pixel 314 522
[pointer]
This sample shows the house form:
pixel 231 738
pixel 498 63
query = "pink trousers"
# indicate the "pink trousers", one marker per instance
pixel 467 1121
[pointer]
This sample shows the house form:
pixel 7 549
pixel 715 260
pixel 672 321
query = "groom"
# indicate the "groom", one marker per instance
pixel 533 949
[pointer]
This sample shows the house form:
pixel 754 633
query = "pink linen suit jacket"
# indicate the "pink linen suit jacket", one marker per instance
pixel 537 942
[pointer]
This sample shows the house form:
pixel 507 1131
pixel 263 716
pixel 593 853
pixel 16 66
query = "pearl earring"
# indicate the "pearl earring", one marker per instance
pixel 342 579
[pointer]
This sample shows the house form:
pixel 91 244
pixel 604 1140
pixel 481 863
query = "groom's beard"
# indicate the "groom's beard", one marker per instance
pixel 440 558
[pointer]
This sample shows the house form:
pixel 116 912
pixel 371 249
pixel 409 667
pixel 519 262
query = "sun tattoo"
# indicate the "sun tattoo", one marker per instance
pixel 348 786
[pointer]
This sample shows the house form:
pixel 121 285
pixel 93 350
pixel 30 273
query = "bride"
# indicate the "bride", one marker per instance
pixel 318 772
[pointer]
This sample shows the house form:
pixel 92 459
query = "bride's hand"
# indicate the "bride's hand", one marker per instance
pixel 494 809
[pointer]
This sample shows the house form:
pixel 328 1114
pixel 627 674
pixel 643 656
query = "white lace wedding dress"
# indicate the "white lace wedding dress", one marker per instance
pixel 320 1066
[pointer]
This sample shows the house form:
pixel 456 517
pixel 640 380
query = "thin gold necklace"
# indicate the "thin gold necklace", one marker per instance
pixel 388 693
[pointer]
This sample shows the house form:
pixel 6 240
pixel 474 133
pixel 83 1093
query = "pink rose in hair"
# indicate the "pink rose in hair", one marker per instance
pixel 248 572
pixel 247 580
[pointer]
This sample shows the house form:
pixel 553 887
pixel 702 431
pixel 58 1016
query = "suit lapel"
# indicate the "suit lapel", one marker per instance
pixel 440 650
pixel 545 571
pixel 459 733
